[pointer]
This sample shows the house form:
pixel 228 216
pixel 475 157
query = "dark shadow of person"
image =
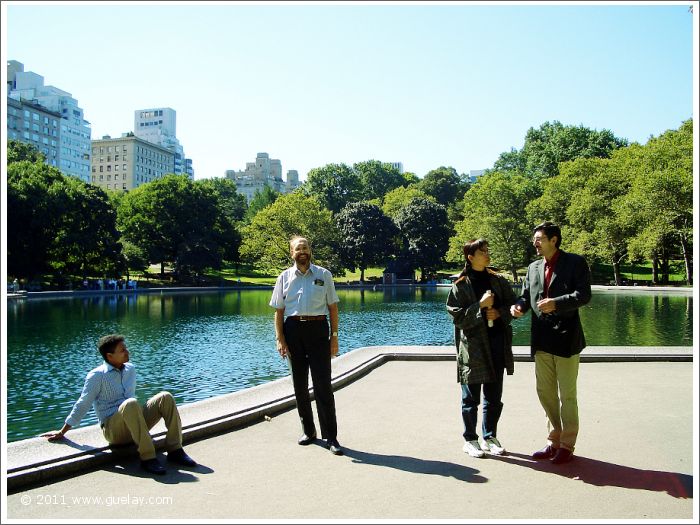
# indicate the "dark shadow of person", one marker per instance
pixel 418 466
pixel 175 474
pixel 602 473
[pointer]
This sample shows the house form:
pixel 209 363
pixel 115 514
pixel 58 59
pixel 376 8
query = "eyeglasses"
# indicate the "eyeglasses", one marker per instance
pixel 541 238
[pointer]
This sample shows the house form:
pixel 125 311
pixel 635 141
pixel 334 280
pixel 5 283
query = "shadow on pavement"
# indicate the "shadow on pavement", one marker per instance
pixel 176 473
pixel 602 473
pixel 418 466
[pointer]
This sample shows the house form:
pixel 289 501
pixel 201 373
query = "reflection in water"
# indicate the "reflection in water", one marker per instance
pixel 212 343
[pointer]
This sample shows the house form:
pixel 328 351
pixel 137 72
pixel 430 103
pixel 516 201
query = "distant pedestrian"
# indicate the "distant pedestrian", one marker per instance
pixel 304 298
pixel 111 390
pixel 555 287
pixel 479 304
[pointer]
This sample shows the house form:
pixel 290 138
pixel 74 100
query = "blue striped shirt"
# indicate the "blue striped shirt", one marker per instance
pixel 105 389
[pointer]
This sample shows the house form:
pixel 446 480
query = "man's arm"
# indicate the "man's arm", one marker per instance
pixel 279 333
pixel 90 391
pixel 333 314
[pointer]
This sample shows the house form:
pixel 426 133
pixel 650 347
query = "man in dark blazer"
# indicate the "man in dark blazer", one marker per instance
pixel 555 287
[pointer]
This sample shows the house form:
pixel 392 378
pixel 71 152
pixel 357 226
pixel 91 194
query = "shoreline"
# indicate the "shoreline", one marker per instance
pixel 688 290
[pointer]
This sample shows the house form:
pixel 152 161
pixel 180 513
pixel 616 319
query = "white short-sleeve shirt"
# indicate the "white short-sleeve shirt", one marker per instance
pixel 304 294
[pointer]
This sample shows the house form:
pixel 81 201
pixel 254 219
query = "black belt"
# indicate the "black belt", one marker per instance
pixel 307 317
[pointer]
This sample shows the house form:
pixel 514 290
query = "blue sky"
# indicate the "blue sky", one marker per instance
pixel 310 84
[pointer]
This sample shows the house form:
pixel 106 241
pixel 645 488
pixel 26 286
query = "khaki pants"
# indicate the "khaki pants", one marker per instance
pixel 131 423
pixel 556 387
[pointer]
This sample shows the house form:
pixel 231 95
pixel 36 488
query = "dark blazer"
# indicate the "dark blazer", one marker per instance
pixel 559 333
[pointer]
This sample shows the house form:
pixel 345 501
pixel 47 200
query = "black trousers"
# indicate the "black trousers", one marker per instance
pixel 310 348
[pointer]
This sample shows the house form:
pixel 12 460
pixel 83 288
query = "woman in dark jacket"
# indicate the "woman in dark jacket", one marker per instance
pixel 479 304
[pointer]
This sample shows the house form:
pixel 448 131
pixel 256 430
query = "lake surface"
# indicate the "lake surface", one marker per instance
pixel 201 345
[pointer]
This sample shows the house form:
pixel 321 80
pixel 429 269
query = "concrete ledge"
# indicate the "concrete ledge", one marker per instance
pixel 36 460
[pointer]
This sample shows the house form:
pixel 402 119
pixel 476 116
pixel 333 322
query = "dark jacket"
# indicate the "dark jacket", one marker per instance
pixel 474 361
pixel 559 333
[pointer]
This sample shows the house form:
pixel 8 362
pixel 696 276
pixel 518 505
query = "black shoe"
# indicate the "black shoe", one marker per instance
pixel 153 466
pixel 335 447
pixel 547 452
pixel 307 439
pixel 181 458
pixel 563 455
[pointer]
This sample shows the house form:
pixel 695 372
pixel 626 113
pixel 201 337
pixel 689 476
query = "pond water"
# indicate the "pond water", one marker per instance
pixel 201 345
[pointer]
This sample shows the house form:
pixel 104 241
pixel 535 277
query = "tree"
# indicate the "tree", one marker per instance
pixel 445 185
pixel 333 185
pixel 58 223
pixel 33 217
pixel 377 178
pixel 231 208
pixel 87 241
pixel 365 235
pixel 173 220
pixel 493 209
pixel 18 151
pixel 659 204
pixel 425 233
pixel 261 199
pixel 553 143
pixel 400 197
pixel 266 238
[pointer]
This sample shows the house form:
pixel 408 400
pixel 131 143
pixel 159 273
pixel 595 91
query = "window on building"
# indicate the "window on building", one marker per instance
pixel 109 167
pixel 124 167
pixel 101 169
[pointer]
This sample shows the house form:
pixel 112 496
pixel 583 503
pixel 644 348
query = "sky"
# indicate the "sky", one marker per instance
pixel 429 85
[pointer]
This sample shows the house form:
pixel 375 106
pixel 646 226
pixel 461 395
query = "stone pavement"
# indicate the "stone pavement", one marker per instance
pixel 400 425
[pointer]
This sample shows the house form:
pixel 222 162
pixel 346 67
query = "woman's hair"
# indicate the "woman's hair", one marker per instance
pixel 470 249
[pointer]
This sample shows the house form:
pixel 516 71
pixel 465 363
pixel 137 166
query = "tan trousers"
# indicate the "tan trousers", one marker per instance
pixel 131 423
pixel 556 387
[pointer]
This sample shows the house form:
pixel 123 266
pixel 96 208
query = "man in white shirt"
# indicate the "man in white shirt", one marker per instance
pixel 304 298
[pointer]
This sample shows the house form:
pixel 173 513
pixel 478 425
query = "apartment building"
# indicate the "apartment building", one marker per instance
pixel 263 172
pixel 126 162
pixel 44 104
pixel 159 126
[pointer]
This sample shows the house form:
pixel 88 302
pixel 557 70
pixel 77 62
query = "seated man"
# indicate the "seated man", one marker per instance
pixel 111 390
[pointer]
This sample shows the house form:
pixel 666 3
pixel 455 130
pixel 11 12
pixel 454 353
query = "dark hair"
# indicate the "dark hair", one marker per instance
pixel 550 230
pixel 108 343
pixel 470 249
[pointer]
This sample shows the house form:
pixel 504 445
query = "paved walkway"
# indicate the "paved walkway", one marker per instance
pixel 401 428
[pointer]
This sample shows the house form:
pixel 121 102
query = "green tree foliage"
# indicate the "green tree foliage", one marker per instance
pixel 58 224
pixel 445 185
pixel 553 143
pixel 173 220
pixel 261 200
pixel 425 233
pixel 266 238
pixel 659 204
pixel 410 178
pixel 365 235
pixel 400 197
pixel 333 185
pixel 377 179
pixel 18 151
pixel 231 207
pixel 494 210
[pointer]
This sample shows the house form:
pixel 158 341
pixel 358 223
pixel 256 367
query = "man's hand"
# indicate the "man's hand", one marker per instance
pixel 516 311
pixel 282 348
pixel 546 306
pixel 56 435
pixel 334 346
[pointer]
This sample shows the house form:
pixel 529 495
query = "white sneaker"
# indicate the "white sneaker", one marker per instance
pixel 493 446
pixel 472 448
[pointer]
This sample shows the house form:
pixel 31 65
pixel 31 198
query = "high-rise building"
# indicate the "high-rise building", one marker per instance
pixel 263 172
pixel 475 174
pixel 127 162
pixel 158 125
pixel 38 106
